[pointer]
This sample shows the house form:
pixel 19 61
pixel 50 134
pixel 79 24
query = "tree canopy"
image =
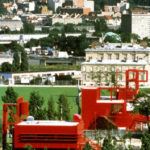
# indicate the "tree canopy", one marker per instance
pixel 63 108
pixel 36 105
pixel 6 67
pixel 28 27
pixel 100 26
pixel 24 66
pixel 16 62
pixel 3 10
pixel 10 96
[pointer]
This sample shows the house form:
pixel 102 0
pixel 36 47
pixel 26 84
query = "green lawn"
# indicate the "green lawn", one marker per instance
pixel 46 92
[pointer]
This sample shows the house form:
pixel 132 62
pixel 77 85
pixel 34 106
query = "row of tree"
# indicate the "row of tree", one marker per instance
pixel 73 45
pixel 39 108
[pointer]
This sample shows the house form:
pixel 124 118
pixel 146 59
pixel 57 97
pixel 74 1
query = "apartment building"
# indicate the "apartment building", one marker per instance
pixel 138 23
pixel 102 63
pixel 65 19
pixel 141 24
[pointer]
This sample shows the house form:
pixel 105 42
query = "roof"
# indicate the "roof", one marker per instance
pixel 119 47
pixel 115 62
pixel 47 123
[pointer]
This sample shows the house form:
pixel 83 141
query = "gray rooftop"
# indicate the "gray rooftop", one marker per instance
pixel 119 47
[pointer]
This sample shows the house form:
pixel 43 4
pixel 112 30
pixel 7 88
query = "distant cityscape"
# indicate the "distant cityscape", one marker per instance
pixel 90 34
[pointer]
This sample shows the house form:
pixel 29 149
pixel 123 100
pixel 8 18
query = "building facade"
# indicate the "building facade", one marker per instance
pixel 25 78
pixel 107 64
pixel 54 4
pixel 66 19
pixel 138 23
pixel 141 24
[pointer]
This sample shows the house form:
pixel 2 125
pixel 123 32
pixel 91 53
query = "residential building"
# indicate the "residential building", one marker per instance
pixel 65 19
pixel 8 38
pixel 103 61
pixel 141 24
pixel 25 78
pixel 88 6
pixel 6 57
pixel 78 3
pixel 54 4
pixel 138 23
pixel 13 25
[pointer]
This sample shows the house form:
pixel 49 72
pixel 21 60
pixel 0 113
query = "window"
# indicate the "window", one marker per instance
pixel 117 56
pixel 109 56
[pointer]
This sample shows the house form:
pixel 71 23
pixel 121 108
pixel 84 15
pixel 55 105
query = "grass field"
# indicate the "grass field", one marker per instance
pixel 46 92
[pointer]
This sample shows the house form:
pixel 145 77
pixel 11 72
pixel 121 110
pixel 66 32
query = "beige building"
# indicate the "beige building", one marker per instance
pixel 66 19
pixel 141 24
pixel 102 63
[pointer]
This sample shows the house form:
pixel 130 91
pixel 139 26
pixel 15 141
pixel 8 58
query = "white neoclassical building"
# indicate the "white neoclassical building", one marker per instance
pixel 102 63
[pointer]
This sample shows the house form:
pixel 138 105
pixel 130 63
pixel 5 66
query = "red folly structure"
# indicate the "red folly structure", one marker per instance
pixel 50 134
pixel 13 113
pixel 105 112
pixel 40 134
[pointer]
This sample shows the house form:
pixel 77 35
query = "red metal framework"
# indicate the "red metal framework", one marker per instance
pixel 111 111
pixel 12 114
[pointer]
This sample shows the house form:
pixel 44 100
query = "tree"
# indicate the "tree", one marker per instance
pixel 10 96
pixel 82 44
pixel 36 81
pixel 135 37
pixel 6 67
pixel 63 42
pixel 108 143
pixel 51 114
pixel 45 29
pixel 145 141
pixel 24 66
pixel 126 37
pixel 32 43
pixel 28 27
pixel 15 47
pixel 87 147
pixel 69 28
pixel 78 101
pixel 36 105
pixel 46 42
pixel 3 10
pixel 41 115
pixel 5 30
pixel 142 105
pixel 63 108
pixel 100 26
pixel 3 48
pixel 16 62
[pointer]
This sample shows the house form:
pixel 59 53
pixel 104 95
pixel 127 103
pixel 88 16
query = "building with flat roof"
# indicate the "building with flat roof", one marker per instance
pixel 138 23
pixel 102 62
pixel 13 25
pixel 141 24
